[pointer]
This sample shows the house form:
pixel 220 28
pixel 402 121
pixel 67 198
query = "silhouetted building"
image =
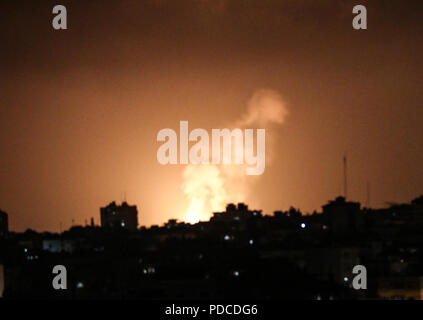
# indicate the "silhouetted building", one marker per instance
pixel 4 224
pixel 58 245
pixel 343 216
pixel 119 217
pixel 172 223
pixel 235 213
pixel 418 201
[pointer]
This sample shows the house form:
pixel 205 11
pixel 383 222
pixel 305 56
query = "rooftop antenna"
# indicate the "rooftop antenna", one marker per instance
pixel 123 196
pixel 345 177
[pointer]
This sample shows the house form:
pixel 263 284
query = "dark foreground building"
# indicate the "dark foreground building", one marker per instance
pixel 119 217
pixel 4 224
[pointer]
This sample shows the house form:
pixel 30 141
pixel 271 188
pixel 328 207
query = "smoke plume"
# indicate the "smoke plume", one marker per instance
pixel 210 187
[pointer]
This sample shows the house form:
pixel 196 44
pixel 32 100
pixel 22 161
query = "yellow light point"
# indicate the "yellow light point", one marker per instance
pixel 192 217
pixel 195 208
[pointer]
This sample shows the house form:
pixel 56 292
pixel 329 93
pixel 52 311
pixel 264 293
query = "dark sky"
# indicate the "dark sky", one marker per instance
pixel 80 108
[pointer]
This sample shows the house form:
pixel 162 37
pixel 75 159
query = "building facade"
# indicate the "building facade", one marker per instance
pixel 4 224
pixel 343 216
pixel 119 217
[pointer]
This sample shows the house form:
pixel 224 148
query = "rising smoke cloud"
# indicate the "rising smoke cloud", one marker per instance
pixel 209 188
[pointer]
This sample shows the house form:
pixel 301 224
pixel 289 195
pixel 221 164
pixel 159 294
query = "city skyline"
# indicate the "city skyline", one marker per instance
pixel 97 220
pixel 344 252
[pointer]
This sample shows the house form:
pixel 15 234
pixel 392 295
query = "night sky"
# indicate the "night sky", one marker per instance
pixel 80 108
